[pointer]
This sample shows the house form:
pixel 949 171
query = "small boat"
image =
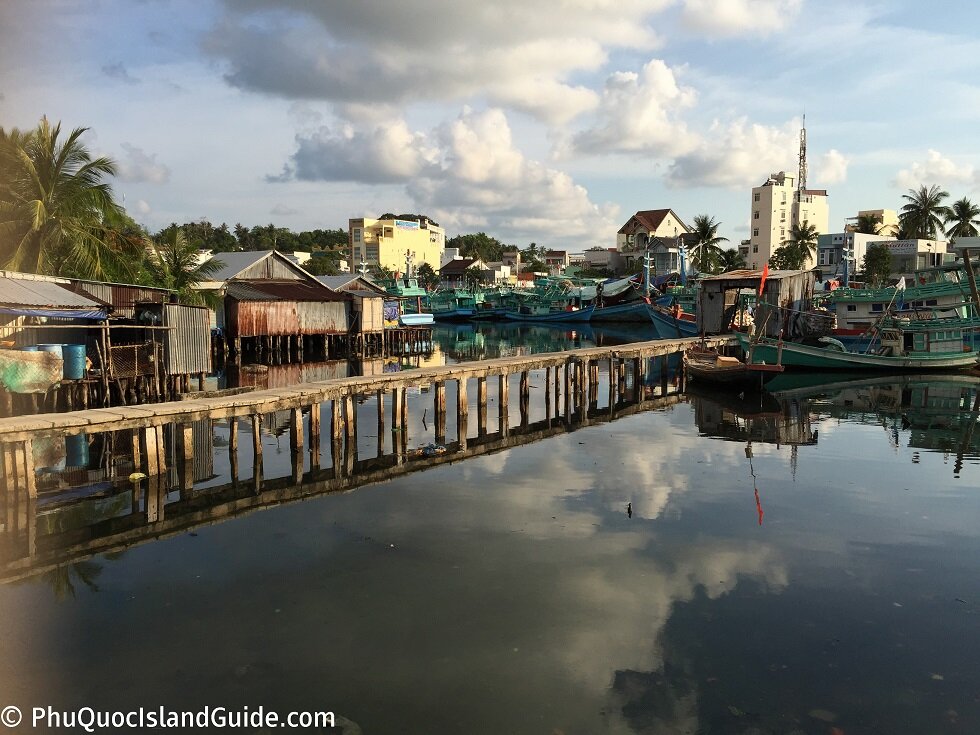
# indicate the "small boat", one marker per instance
pixel 531 314
pixel 671 326
pixel 708 366
pixel 416 320
pixel 906 345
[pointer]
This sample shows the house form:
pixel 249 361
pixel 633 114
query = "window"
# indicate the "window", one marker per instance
pixel 755 248
pixel 784 197
pixel 357 234
pixel 782 214
pixel 877 307
pixel 782 232
pixel 755 214
pixel 371 253
pixel 755 197
pixel 851 307
pixel 755 232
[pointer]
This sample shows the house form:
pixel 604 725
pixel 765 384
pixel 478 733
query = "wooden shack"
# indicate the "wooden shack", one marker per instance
pixel 780 309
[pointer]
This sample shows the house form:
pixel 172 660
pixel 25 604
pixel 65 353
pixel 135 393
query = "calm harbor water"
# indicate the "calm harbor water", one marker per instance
pixel 799 563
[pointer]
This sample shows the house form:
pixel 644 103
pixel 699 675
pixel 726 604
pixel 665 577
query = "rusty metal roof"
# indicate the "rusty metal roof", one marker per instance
pixel 282 291
pixel 746 274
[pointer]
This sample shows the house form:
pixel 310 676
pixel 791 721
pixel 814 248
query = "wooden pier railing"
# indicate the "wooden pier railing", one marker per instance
pixel 571 390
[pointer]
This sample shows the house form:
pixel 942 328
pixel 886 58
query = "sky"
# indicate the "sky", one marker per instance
pixel 533 122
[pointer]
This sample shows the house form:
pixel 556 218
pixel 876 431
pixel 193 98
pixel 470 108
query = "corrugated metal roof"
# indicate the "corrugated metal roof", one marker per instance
pixel 235 263
pixel 350 282
pixel 281 291
pixel 745 273
pixel 25 292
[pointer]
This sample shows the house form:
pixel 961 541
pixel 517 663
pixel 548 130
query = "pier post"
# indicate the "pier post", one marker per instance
pixel 398 397
pixel 257 445
pixel 503 408
pixel 547 394
pixel 295 429
pixel 315 435
pixel 525 397
pixel 381 422
pixel 481 406
pixel 151 446
pixel 663 374
pixel 186 457
pixel 233 447
pixel 462 413
pixel 581 388
pixel 568 391
pixel 621 378
pixel 439 407
pixel 350 429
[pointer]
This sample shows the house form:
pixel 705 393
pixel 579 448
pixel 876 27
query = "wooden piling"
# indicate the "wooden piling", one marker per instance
pixel 481 406
pixel 381 422
pixel 186 463
pixel 525 397
pixel 462 413
pixel 503 407
pixel 439 408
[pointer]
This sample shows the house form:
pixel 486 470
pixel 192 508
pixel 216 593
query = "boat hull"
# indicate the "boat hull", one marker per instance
pixel 416 320
pixel 454 315
pixel 633 312
pixel 706 370
pixel 582 315
pixel 794 355
pixel 669 327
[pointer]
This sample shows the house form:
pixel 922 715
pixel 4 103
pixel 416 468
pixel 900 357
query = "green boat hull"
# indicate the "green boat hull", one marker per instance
pixel 795 355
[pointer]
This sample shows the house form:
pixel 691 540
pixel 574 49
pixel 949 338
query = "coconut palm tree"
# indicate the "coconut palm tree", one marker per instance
pixel 731 260
pixel 868 224
pixel 706 250
pixel 798 248
pixel 56 204
pixel 924 212
pixel 962 219
pixel 173 263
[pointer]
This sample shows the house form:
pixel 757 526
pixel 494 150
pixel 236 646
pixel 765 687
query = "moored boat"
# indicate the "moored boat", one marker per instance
pixel 632 311
pixel 672 324
pixel 531 314
pixel 710 367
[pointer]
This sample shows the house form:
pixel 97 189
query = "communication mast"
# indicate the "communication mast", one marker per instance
pixel 801 179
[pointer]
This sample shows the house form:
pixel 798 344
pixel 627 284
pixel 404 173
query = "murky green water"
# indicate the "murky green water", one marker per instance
pixel 788 565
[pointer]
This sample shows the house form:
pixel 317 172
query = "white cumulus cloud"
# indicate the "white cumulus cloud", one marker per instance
pixel 736 155
pixel 735 17
pixel 936 169
pixel 138 166
pixel 831 168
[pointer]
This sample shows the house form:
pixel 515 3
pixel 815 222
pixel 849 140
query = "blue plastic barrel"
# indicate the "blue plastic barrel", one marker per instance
pixel 76 450
pixel 74 361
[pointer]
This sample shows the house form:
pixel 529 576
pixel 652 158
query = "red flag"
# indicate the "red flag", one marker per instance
pixel 765 275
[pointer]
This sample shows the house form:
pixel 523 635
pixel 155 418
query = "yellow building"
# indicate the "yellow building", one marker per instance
pixel 387 242
pixel 887 220
pixel 777 206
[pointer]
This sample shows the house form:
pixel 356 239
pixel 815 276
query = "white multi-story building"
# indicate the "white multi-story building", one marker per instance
pixel 777 206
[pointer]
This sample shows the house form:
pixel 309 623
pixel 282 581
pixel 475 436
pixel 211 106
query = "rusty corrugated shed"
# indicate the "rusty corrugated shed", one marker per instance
pixel 275 308
pixel 123 297
pixel 786 296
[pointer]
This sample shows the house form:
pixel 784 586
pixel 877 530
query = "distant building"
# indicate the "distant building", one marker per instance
pixel 557 261
pixel 385 242
pixel 887 221
pixel 831 248
pixel 777 206
pixel 646 225
pixel 453 273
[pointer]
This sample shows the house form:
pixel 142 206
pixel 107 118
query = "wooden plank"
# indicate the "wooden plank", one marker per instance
pixel 481 406
pixel 186 463
pixel 462 413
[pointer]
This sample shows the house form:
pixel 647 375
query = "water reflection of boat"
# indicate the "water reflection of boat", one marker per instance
pixel 757 417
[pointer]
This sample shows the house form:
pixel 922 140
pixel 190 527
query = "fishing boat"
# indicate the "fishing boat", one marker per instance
pixel 632 311
pixel 906 345
pixel 672 324
pixel 529 313
pixel 415 319
pixel 708 366
pixel 452 305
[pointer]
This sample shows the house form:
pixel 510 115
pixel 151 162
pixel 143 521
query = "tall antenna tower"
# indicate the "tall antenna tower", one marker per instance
pixel 801 179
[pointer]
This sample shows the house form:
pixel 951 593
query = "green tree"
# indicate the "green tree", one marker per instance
pixel 473 277
pixel 730 260
pixel 877 264
pixel 173 263
pixel 479 245
pixel 868 224
pixel 797 249
pixel 56 204
pixel 962 219
pixel 322 266
pixel 427 277
pixel 924 212
pixel 706 250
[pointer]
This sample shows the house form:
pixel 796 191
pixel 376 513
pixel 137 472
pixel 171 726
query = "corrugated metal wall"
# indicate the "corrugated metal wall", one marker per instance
pixel 372 314
pixel 268 269
pixel 281 318
pixel 123 297
pixel 187 347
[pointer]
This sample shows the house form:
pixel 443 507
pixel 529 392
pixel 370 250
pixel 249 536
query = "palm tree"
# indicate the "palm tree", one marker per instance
pixel 963 219
pixel 173 263
pixel 731 260
pixel 798 248
pixel 924 214
pixel 868 224
pixel 56 205
pixel 706 250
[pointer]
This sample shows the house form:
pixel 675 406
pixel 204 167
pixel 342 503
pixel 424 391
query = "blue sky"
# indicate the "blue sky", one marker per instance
pixel 548 123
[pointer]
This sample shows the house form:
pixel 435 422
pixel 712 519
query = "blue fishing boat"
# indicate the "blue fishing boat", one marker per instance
pixel 538 314
pixel 672 324
pixel 632 311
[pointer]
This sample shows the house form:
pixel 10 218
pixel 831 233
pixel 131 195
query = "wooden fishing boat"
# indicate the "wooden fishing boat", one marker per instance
pixel 416 320
pixel 532 314
pixel 906 346
pixel 708 366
